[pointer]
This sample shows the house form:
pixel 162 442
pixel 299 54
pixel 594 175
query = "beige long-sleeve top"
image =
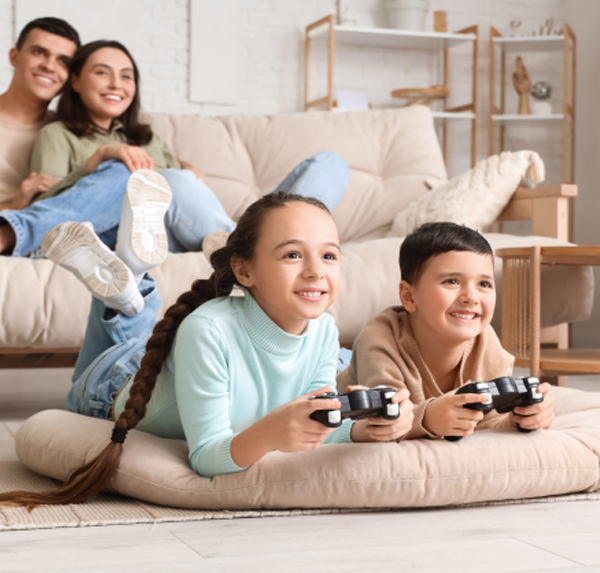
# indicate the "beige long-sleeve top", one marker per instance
pixel 387 353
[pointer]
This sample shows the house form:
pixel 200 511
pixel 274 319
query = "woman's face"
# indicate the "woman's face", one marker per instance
pixel 106 85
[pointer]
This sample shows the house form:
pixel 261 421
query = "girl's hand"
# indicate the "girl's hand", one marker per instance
pixel 290 427
pixel 536 416
pixel 378 429
pixel 445 416
pixel 133 157
pixel 199 174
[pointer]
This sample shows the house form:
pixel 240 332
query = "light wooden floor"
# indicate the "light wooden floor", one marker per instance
pixel 562 537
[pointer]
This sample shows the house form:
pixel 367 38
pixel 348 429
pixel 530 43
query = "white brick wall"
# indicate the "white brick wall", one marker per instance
pixel 271 66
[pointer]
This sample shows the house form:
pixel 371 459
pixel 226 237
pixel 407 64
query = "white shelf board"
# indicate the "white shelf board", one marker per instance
pixel 392 38
pixel 529 117
pixel 453 115
pixel 532 44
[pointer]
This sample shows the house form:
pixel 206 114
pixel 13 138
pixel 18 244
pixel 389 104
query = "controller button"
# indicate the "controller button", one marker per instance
pixel 392 409
pixel 489 400
pixel 334 416
pixel 481 386
pixel 388 395
pixel 535 395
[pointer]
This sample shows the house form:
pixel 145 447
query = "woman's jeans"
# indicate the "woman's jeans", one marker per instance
pixel 194 212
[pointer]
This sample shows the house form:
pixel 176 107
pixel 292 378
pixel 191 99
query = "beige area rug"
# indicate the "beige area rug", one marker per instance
pixel 108 509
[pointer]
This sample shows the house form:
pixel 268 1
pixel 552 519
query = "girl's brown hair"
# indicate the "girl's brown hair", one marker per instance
pixel 94 476
pixel 73 113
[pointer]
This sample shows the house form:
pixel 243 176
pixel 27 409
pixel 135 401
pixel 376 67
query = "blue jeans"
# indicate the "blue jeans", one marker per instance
pixel 194 212
pixel 112 351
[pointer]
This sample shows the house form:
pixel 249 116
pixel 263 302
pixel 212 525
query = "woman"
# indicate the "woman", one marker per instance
pixel 99 141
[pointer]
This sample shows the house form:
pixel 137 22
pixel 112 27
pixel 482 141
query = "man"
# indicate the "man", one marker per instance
pixel 40 60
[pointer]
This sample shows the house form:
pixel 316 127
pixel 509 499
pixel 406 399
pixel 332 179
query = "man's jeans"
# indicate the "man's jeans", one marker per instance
pixel 194 212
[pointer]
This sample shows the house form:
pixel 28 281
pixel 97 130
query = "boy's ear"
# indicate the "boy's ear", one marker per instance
pixel 242 271
pixel 406 296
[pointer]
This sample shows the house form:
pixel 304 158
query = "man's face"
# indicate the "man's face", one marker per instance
pixel 42 64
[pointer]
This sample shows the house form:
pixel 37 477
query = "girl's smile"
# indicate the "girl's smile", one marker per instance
pixel 295 272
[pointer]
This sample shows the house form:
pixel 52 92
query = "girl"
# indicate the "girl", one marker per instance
pixel 99 141
pixel 233 375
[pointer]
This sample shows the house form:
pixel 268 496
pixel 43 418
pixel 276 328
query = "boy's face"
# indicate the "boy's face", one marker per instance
pixel 454 298
pixel 42 64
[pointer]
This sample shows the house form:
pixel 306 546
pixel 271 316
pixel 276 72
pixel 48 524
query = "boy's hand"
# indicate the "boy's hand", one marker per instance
pixel 536 416
pixel 30 187
pixel 445 416
pixel 378 429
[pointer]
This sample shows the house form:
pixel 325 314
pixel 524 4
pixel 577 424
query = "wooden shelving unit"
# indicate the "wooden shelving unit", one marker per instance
pixel 566 44
pixel 326 28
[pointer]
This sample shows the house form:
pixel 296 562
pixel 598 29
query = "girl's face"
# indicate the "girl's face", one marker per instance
pixel 106 85
pixel 295 272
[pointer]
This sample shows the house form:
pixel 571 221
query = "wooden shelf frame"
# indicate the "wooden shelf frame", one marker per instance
pixel 403 39
pixel 567 43
pixel 521 311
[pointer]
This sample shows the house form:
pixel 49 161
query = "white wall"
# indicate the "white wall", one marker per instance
pixel 271 65
pixel 584 16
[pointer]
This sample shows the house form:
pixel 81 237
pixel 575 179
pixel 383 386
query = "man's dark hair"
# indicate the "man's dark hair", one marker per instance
pixel 48 24
pixel 432 239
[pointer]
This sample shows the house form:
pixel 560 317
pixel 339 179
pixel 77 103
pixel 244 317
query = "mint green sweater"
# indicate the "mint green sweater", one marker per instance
pixel 230 366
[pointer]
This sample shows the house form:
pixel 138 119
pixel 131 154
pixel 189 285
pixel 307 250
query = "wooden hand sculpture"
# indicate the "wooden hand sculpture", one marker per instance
pixel 522 84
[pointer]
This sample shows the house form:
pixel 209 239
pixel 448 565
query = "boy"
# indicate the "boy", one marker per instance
pixel 441 338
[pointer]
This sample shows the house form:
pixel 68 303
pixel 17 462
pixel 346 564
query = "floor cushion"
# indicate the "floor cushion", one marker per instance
pixel 489 465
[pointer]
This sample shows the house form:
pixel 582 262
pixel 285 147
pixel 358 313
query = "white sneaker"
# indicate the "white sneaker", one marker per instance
pixel 142 239
pixel 77 248
pixel 214 241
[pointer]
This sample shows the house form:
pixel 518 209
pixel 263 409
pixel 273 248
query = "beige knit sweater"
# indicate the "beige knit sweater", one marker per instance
pixel 387 353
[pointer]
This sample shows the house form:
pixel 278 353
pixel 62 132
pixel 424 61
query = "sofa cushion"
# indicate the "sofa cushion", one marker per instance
pixel 475 198
pixel 489 465
pixel 391 153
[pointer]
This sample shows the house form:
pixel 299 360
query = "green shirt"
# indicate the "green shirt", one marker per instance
pixel 60 153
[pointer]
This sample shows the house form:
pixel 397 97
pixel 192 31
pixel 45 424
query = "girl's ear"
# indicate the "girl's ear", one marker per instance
pixel 407 297
pixel 242 270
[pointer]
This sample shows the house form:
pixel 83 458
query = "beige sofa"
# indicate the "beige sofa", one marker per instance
pixel 392 153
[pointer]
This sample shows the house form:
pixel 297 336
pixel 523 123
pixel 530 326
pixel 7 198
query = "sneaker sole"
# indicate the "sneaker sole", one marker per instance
pixel 147 198
pixel 77 248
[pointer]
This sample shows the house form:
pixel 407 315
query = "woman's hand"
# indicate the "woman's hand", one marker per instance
pixel 536 416
pixel 199 174
pixel 133 157
pixel 379 429
pixel 445 416
pixel 288 428
pixel 30 187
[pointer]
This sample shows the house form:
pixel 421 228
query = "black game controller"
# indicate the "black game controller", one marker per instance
pixel 506 394
pixel 357 405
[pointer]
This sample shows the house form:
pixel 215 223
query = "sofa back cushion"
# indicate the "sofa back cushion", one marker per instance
pixel 391 154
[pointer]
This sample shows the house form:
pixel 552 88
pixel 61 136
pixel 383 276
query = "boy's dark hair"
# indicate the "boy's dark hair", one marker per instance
pixel 73 113
pixel 55 26
pixel 432 239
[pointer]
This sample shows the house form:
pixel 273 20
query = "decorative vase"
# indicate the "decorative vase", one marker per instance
pixel 407 14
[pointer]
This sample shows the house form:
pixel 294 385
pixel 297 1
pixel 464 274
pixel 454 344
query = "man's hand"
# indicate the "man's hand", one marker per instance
pixel 34 184
pixel 445 416
pixel 199 174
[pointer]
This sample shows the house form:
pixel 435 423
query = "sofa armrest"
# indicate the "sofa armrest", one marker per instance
pixel 547 207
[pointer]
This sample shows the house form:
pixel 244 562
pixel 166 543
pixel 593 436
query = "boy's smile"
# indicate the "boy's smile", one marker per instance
pixel 453 300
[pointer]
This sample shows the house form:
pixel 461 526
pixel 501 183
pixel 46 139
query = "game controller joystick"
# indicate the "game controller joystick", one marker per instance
pixel 358 404
pixel 505 393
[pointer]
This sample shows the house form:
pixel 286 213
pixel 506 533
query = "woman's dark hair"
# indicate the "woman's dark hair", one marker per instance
pixel 94 476
pixel 72 112
pixel 55 26
pixel 432 239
